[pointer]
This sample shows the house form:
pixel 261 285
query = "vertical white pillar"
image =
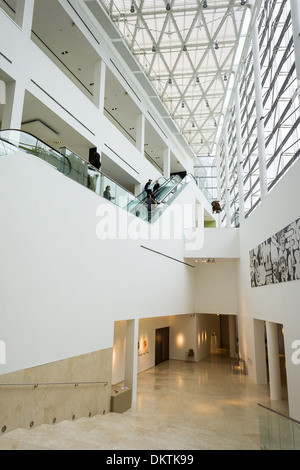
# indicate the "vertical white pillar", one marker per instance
pixel 218 182
pixel 15 91
pixel 273 359
pixel 259 115
pixel 12 113
pixel 137 189
pixel 131 356
pixel 232 336
pixel 167 163
pixel 24 15
pixel 295 12
pixel 260 351
pixel 239 156
pixel 227 188
pixel 99 84
pixel 2 92
pixel 140 133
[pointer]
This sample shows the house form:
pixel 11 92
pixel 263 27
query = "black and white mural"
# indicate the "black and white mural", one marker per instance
pixel 278 258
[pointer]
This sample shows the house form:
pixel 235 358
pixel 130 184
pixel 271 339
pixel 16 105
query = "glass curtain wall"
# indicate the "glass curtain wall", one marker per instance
pixel 281 111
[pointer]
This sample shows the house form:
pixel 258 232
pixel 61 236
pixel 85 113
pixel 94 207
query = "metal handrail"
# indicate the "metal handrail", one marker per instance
pixel 278 413
pixel 35 385
pixel 37 139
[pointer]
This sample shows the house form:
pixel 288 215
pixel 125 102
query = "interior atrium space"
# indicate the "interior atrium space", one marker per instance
pixel 150 225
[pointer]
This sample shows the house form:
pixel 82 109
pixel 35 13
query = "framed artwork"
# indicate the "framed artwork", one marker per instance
pixel 278 258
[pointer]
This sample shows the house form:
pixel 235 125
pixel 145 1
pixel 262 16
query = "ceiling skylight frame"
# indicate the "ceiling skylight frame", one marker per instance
pixel 222 22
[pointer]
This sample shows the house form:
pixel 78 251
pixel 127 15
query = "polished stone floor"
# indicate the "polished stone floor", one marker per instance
pixel 180 405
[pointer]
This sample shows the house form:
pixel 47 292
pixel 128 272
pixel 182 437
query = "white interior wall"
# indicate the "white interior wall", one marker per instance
pixel 217 287
pixel 182 336
pixel 188 331
pixel 62 287
pixel 278 303
pixel 208 335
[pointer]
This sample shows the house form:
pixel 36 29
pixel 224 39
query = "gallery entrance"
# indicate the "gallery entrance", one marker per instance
pixel 161 345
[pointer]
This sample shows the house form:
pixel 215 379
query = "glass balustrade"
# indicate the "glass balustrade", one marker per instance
pixel 15 140
pixel 167 197
pixel 80 171
pixel 277 431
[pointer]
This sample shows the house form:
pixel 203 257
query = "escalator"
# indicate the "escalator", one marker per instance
pixel 165 186
pixel 161 195
pixel 78 169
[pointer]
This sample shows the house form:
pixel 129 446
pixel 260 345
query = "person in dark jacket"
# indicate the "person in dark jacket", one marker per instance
pixel 95 160
pixel 151 203
pixel 107 194
pixel 148 187
pixel 156 186
pixel 94 164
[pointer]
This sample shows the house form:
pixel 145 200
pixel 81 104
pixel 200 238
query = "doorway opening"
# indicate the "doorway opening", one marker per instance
pixel 162 336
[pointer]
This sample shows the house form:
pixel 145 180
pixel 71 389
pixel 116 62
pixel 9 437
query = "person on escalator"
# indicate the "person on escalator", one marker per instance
pixel 149 187
pixel 151 203
pixel 156 186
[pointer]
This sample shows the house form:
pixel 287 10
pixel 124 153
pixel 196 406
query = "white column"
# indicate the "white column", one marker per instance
pixel 260 351
pixel 239 156
pixel 24 15
pixel 2 92
pixel 99 84
pixel 138 189
pixel 295 12
pixel 167 163
pixel 273 360
pixel 218 168
pixel 259 115
pixel 227 188
pixel 13 110
pixel 140 133
pixel 232 335
pixel 131 356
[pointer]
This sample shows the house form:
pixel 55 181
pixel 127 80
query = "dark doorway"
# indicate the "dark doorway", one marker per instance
pixel 161 345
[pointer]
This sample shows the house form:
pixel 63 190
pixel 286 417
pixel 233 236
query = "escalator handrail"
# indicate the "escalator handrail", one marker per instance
pixel 178 183
pixel 144 199
pixel 141 202
pixel 64 156
pixel 38 140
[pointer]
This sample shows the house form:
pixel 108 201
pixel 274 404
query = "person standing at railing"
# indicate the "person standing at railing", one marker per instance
pixel 107 194
pixel 95 160
pixel 95 164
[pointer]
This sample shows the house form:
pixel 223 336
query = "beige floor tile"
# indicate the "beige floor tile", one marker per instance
pixel 180 405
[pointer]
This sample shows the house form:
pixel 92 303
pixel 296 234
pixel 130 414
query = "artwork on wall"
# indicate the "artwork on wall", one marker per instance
pixel 278 258
pixel 143 346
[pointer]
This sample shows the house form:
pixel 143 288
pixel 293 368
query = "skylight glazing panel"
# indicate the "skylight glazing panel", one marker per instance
pixel 177 46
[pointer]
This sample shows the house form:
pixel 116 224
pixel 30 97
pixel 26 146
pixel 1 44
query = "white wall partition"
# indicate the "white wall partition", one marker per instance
pixel 277 303
pixel 62 285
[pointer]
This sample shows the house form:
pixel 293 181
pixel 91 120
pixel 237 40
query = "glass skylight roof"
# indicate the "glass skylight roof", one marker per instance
pixel 188 52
